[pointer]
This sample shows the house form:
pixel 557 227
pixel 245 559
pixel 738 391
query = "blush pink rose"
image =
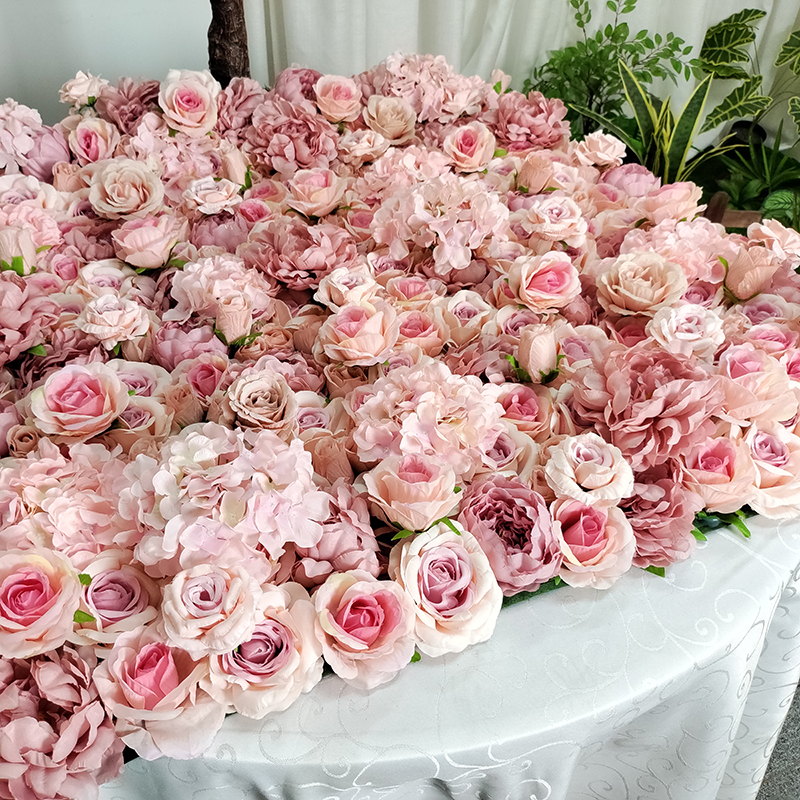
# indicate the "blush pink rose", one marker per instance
pixel 315 192
pixel 39 594
pixel 78 402
pixel 453 588
pixel 598 543
pixel 365 626
pixel 359 334
pixel 338 98
pixel 279 661
pixel 720 471
pixel 545 282
pixel 147 243
pixel 470 147
pixel 152 691
pixel 189 101
pixel 514 528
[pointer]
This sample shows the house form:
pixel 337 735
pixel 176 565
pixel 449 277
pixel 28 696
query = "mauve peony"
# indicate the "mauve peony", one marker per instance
pixel 173 344
pixel 278 662
pixel 365 626
pixel 514 528
pixel 285 137
pixel 26 314
pixel 39 593
pixel 49 148
pixel 661 512
pixel 152 691
pixel 530 122
pixel 126 103
pixel 236 103
pixel 296 85
pixel 450 581
pixel 633 179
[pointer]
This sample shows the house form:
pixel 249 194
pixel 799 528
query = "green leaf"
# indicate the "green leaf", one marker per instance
pixel 724 71
pixel 117 349
pixel 519 597
pixel 643 109
pixel 447 521
pixel 557 580
pixel 794 111
pixel 81 617
pixel 660 571
pixel 177 263
pixel 131 392
pixel 403 534
pixel 699 535
pixel 726 42
pixel 248 179
pixel 520 374
pixel 498 87
pixel 747 16
pixel 680 141
pixel 457 490
pixel 85 579
pixel 790 53
pixel 416 657
pixel 783 204
pixel 500 153
pixel 36 350
pixel 743 101
pixel 43 248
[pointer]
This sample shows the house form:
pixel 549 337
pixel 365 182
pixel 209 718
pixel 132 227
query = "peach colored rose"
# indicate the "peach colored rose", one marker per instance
pixel 640 283
pixel 412 490
pixel 189 101
pixel 279 661
pixel 750 272
pixel 147 243
pixel 152 690
pixel 538 351
pixel 536 172
pixel 78 402
pixel 598 543
pixel 113 319
pixel 359 147
pixel 365 626
pixel 234 317
pixel 346 285
pixel 391 117
pixel 144 418
pixel 464 314
pixel 721 471
pixel 359 334
pixel 544 282
pixel 208 609
pixel 601 150
pixel 470 147
pixel 315 192
pixel 674 201
pixel 124 188
pixel 338 98
pixel 451 584
pixel 39 594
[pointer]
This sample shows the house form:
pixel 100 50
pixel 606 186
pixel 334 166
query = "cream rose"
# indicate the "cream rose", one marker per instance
pixel 124 188
pixel 391 117
pixel 113 319
pixel 212 195
pixel 316 192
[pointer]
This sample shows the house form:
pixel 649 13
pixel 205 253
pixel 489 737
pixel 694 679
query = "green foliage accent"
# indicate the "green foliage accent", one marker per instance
pixel 790 53
pixel 178 263
pixel 660 571
pixel 684 129
pixel 403 534
pixel 584 74
pixel 81 617
pixel 248 179
pixel 794 111
pixel 705 521
pixel 783 205
pixel 85 579
pixel 17 265
pixel 727 41
pixel 500 153
pixel 699 535
pixel 743 101
pixel 552 584
pixel 416 657
pixel 457 490
pixel 36 350
pixel 520 374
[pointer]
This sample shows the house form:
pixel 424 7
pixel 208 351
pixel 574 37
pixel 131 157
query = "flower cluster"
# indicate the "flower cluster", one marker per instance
pixel 321 373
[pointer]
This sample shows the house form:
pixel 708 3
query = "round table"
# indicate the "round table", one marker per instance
pixel 657 688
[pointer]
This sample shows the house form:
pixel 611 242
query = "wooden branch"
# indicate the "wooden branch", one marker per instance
pixel 717 211
pixel 227 41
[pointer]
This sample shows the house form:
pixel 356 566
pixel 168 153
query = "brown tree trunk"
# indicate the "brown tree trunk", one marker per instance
pixel 227 41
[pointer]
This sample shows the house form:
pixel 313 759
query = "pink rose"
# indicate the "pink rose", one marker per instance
pixel 338 98
pixel 189 101
pixel 470 147
pixel 452 586
pixel 513 526
pixel 173 344
pixel 147 243
pixel 601 150
pixel 315 192
pixel 359 334
pixel 113 320
pixel 39 594
pixel 279 661
pixel 152 691
pixel 124 188
pixel 598 543
pixel 412 490
pixel 365 626
pixel 776 454
pixel 633 179
pixel 78 402
pixel 544 282
pixel 93 139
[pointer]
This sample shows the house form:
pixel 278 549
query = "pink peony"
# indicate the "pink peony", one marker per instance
pixel 530 122
pixel 26 314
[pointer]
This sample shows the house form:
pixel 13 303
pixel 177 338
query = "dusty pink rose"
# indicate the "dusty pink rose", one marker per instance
pixel 173 344
pixel 39 594
pixel 78 402
pixel 315 192
pixel 450 581
pixel 189 101
pixel 412 490
pixel 124 188
pixel 598 543
pixel 675 201
pixel 514 528
pixel 279 661
pixel 147 243
pixel 544 282
pixel 359 334
pixel 126 103
pixel 338 98
pixel 470 147
pixel 26 314
pixel 49 149
pixel 365 626
pixel 661 512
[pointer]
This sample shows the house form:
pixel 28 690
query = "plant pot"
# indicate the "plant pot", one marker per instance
pixel 745 131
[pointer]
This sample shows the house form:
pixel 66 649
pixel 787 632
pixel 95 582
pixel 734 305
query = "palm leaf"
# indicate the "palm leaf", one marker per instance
pixel 743 101
pixel 643 110
pixel 683 132
pixel 790 53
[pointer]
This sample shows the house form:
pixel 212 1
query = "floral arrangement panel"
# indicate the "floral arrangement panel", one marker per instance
pixel 322 374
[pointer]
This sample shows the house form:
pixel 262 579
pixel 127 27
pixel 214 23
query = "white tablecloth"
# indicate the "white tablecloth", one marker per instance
pixel 657 688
